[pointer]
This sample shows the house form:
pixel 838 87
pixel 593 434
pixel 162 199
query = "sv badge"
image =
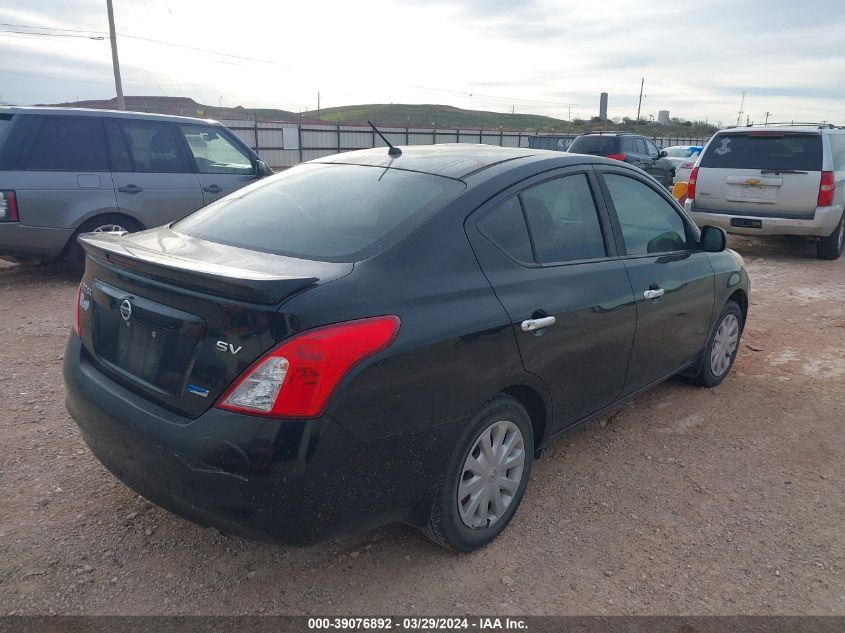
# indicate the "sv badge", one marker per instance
pixel 223 346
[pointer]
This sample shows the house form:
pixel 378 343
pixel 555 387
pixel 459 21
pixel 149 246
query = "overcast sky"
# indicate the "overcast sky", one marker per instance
pixel 531 55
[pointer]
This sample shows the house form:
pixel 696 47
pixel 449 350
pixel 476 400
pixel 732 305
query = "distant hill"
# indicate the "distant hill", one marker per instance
pixel 398 115
pixel 184 106
pixel 432 115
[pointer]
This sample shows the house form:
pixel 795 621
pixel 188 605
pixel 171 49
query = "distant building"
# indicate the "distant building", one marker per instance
pixel 603 107
pixel 663 117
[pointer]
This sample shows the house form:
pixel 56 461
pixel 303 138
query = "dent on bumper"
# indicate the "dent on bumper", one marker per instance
pixel 822 223
pixel 296 481
pixel 21 240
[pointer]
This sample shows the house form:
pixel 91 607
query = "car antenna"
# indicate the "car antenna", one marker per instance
pixel 393 151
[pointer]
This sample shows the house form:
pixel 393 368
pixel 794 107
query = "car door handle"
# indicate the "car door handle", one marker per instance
pixel 130 189
pixel 532 325
pixel 213 188
pixel 654 293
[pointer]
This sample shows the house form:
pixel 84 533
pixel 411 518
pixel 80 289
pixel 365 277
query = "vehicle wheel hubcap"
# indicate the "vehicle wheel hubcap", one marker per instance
pixel 724 345
pixel 491 474
pixel 109 228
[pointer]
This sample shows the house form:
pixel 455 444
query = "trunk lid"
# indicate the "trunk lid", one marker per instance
pixel 764 173
pixel 177 318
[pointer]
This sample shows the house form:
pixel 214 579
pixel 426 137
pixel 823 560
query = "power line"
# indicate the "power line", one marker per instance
pixel 85 37
pixel 133 37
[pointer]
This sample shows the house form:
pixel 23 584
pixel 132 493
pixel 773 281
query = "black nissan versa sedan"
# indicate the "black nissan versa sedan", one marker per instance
pixel 371 338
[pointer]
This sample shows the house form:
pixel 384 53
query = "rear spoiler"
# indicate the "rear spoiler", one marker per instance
pixel 232 281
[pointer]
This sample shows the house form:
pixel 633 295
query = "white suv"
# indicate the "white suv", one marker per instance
pixel 773 180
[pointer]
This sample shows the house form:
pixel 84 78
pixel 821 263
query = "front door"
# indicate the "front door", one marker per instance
pixel 543 248
pixel 152 175
pixel 222 166
pixel 672 279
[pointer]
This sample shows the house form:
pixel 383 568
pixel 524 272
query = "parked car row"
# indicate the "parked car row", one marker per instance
pixel 64 172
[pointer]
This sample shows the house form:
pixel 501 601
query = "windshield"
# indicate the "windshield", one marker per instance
pixel 324 212
pixel 765 150
pixel 595 144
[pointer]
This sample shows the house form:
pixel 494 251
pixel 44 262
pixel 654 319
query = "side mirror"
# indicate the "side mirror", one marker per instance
pixel 261 169
pixel 713 239
pixel 663 154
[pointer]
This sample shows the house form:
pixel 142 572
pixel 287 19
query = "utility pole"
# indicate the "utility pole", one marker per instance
pixel 741 109
pixel 318 105
pixel 121 104
pixel 640 104
pixel 768 114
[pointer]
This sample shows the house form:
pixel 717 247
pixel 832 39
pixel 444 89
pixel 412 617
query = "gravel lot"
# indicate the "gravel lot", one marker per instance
pixel 687 500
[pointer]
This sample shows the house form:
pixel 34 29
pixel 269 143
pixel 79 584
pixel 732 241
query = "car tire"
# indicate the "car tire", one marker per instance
pixel 831 247
pixel 720 352
pixel 102 223
pixel 503 426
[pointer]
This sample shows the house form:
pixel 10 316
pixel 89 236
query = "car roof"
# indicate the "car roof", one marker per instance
pixel 124 114
pixel 453 160
pixel 603 133
pixel 802 128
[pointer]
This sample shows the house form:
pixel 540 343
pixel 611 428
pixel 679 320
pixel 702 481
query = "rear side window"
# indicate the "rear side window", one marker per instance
pixel 66 143
pixel 837 149
pixel 649 223
pixel 146 146
pixel 505 227
pixel 765 150
pixel 563 220
pixel 325 212
pixel 595 144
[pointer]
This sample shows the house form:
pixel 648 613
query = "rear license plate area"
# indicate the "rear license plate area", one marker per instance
pixel 145 341
pixel 745 223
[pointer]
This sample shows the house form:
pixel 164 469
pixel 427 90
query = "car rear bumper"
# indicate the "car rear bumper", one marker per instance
pixel 822 223
pixel 291 481
pixel 38 242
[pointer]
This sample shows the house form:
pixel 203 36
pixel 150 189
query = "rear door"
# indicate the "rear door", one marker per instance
pixel 672 279
pixel 543 246
pixel 59 170
pixel 152 175
pixel 760 172
pixel 222 165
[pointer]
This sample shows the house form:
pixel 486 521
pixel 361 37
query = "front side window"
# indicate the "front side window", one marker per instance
pixel 325 212
pixel 640 144
pixel 649 223
pixel 214 153
pixel 148 146
pixel 66 143
pixel 651 149
pixel 505 227
pixel 563 220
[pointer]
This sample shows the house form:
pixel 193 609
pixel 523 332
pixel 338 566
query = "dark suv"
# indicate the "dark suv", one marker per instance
pixel 630 148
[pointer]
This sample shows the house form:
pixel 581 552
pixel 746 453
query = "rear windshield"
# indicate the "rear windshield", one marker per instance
pixel 601 145
pixel 325 212
pixel 765 150
pixel 5 126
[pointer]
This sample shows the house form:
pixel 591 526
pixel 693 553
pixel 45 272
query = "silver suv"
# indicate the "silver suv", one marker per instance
pixel 778 179
pixel 66 171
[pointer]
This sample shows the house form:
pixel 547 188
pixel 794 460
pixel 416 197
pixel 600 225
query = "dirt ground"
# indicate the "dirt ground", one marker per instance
pixel 687 500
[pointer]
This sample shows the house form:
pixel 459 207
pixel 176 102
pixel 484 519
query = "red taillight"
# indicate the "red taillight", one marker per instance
pixel 827 187
pixel 693 176
pixel 617 156
pixel 295 379
pixel 8 207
